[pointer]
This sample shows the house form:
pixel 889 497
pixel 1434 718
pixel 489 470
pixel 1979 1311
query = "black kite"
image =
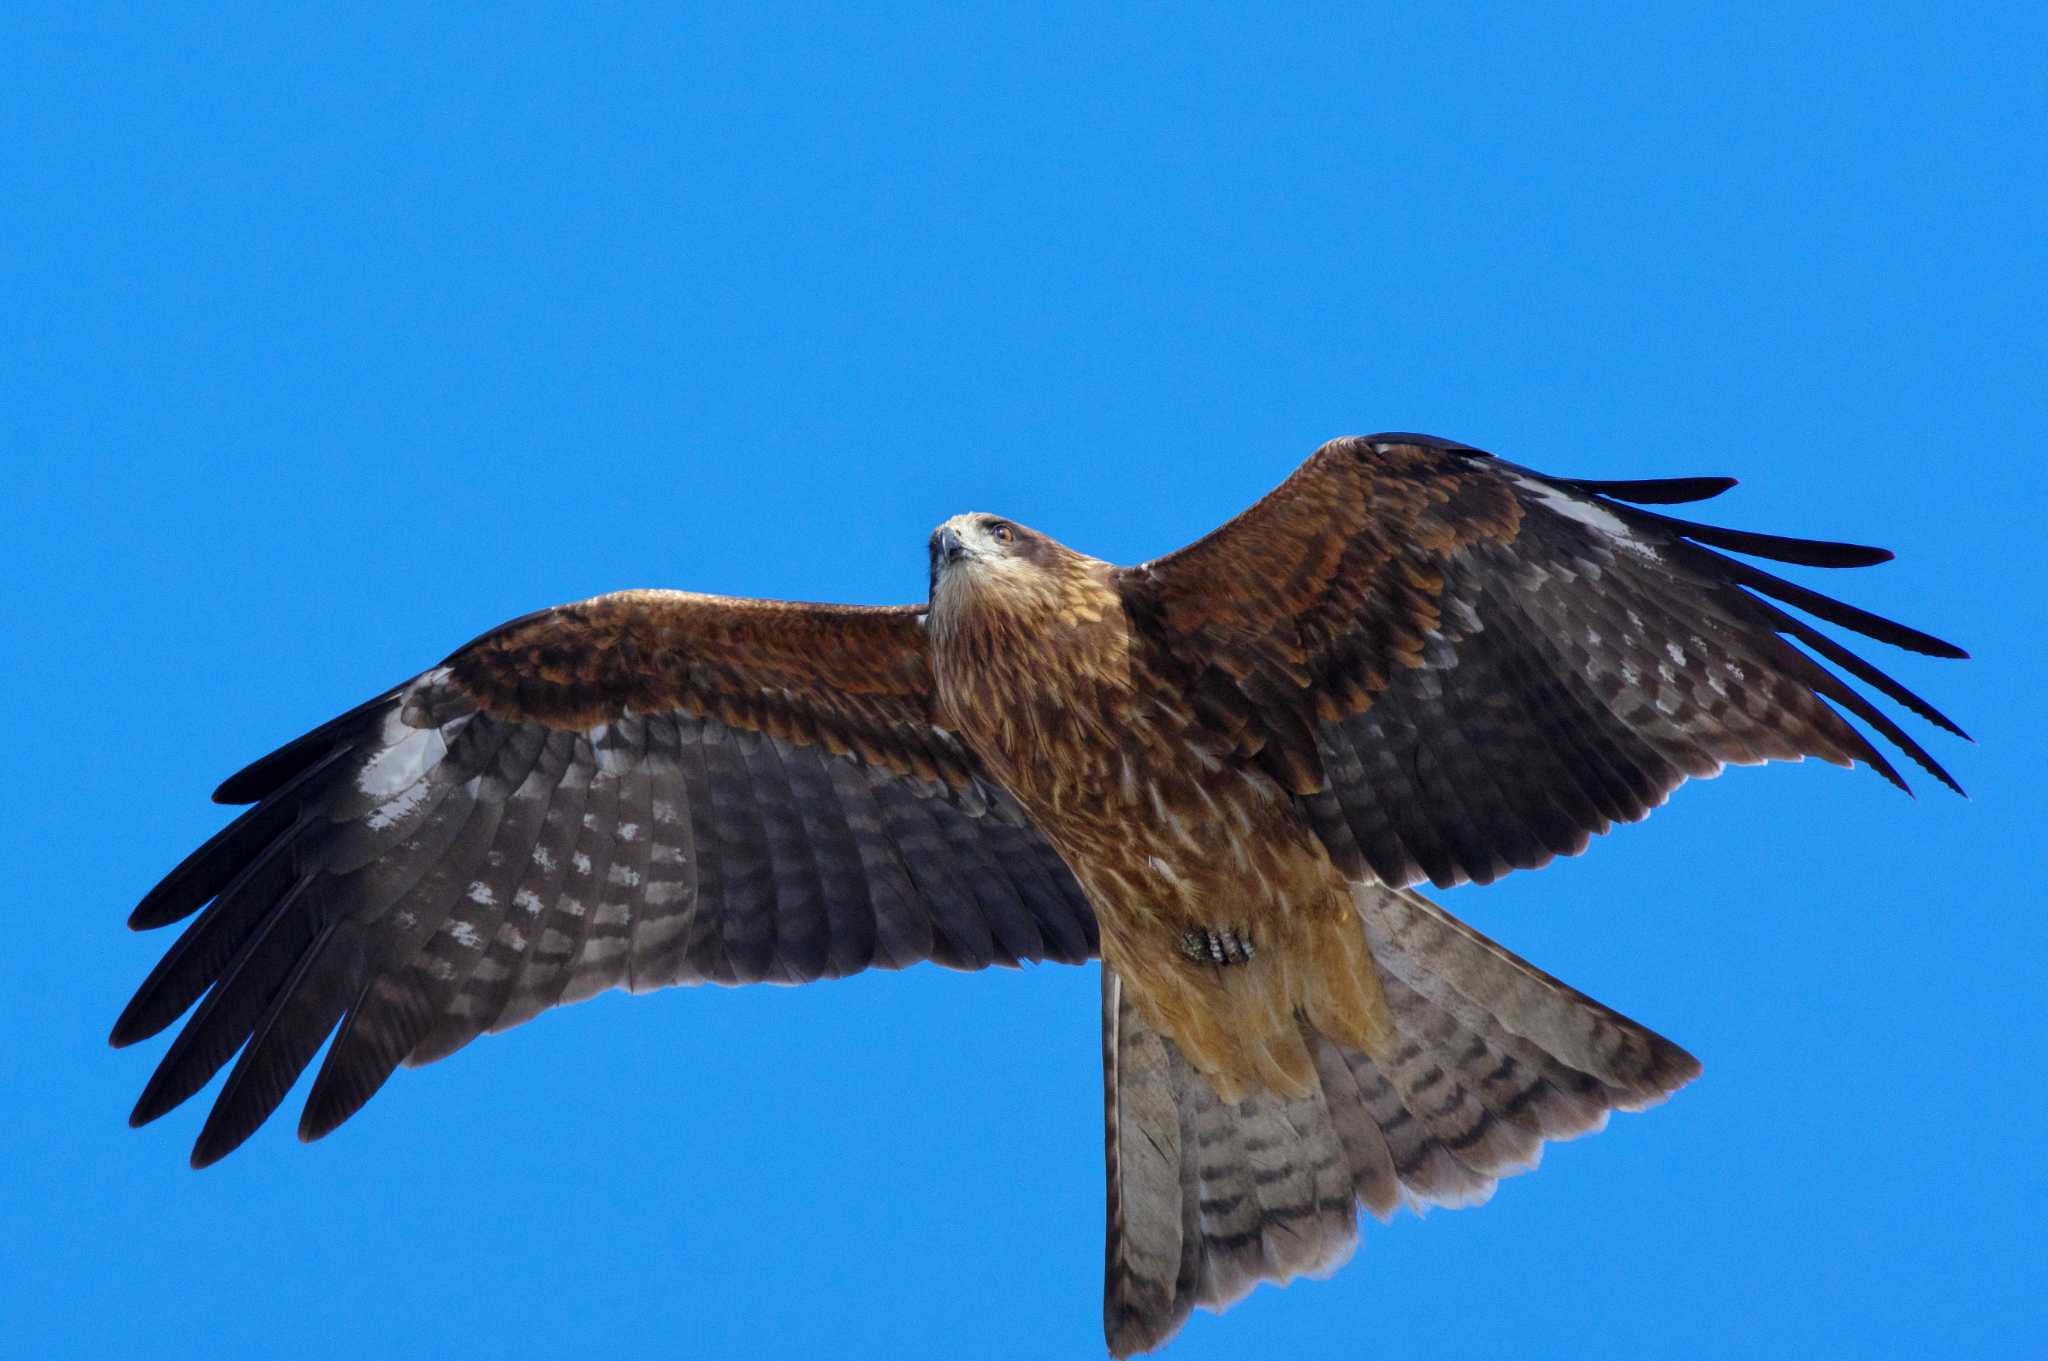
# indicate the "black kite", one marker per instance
pixel 1223 770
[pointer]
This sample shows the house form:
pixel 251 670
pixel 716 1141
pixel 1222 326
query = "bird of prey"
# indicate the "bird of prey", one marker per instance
pixel 1223 771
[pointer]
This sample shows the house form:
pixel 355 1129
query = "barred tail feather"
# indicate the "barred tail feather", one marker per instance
pixel 1491 1058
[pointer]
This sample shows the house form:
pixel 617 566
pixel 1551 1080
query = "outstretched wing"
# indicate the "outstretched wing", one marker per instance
pixel 1461 667
pixel 638 790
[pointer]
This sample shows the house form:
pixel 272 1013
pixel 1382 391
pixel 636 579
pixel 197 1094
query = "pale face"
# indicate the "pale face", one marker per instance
pixel 984 549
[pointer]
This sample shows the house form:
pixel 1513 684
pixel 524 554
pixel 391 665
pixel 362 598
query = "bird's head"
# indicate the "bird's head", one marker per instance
pixel 978 550
pixel 982 561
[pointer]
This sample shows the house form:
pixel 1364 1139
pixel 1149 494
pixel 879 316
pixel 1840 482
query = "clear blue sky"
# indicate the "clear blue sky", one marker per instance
pixel 329 339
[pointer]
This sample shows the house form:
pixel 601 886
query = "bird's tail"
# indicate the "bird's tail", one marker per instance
pixel 1490 1057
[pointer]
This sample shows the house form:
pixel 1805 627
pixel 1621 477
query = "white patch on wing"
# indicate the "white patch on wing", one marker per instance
pixel 480 893
pixel 1676 652
pixel 402 760
pixel 396 809
pixel 1589 513
pixel 465 935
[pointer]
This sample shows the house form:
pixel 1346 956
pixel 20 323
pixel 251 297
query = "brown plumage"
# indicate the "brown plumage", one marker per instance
pixel 1223 770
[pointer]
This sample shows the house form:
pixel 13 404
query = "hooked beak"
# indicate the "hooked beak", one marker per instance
pixel 948 546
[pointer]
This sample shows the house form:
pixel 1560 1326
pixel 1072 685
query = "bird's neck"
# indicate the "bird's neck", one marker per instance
pixel 1015 658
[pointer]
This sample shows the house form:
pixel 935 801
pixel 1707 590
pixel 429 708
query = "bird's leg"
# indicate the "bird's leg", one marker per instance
pixel 1218 945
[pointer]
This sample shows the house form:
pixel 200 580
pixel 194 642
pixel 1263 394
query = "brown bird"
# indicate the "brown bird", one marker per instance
pixel 1223 770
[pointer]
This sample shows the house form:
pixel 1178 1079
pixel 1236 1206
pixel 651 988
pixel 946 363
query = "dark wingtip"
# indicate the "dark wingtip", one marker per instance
pixel 227 1128
pixel 128 1028
pixel 266 774
pixel 1938 771
pixel 1875 759
pixel 1777 547
pixel 313 1128
pixel 1653 491
pixel 1853 554
pixel 151 1105
pixel 244 786
pixel 1834 611
pixel 316 1122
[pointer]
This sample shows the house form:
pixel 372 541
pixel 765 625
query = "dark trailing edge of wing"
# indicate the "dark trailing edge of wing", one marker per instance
pixel 1696 550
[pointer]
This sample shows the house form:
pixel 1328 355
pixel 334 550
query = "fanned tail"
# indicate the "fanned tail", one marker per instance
pixel 1491 1057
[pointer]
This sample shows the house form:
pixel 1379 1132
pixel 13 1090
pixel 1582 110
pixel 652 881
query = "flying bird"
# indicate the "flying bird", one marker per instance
pixel 1222 771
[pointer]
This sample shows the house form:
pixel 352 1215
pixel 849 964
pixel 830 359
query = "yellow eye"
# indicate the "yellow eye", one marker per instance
pixel 1002 533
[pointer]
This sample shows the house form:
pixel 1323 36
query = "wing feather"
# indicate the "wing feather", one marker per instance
pixel 1654 491
pixel 633 791
pixel 1495 665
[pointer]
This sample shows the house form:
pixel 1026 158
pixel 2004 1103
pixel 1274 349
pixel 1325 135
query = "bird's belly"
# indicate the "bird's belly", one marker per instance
pixel 1226 920
pixel 1160 864
pixel 1164 844
pixel 1175 848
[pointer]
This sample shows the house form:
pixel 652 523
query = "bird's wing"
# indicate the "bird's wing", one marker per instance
pixel 1461 667
pixel 638 790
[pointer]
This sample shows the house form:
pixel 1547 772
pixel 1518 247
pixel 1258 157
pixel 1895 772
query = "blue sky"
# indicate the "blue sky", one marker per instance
pixel 332 337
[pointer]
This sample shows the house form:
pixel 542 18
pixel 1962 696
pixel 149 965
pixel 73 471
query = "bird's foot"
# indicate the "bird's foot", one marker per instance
pixel 1218 945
